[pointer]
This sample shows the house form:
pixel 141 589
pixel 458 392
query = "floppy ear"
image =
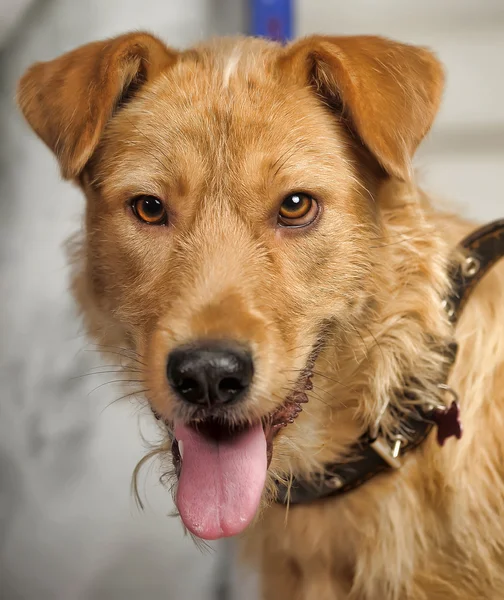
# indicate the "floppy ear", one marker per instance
pixel 388 92
pixel 68 101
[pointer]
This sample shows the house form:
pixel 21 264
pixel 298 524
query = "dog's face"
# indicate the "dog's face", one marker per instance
pixel 230 222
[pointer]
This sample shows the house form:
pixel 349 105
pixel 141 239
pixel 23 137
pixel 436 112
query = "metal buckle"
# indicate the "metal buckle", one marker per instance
pixel 391 455
pixel 380 444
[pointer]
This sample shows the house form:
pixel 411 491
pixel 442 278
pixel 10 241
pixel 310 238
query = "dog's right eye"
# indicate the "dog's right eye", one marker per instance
pixel 150 210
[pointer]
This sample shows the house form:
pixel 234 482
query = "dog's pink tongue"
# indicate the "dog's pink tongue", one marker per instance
pixel 221 482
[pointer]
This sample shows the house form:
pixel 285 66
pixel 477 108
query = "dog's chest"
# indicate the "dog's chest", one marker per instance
pixel 308 552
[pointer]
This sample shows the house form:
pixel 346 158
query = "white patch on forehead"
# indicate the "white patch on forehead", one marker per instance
pixel 231 65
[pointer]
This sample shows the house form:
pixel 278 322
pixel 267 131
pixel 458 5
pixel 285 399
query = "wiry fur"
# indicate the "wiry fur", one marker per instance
pixel 221 133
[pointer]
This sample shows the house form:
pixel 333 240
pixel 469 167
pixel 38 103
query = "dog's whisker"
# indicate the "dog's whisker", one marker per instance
pixel 376 342
pixel 312 394
pixel 122 381
pixel 136 474
pixel 115 366
pixel 107 372
pixel 129 395
pixel 321 375
pixel 127 353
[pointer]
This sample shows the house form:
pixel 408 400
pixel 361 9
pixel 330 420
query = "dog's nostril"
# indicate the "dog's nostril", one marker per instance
pixel 210 373
pixel 191 389
pixel 230 386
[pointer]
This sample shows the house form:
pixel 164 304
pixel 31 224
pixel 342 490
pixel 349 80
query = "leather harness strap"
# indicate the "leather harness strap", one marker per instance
pixel 374 454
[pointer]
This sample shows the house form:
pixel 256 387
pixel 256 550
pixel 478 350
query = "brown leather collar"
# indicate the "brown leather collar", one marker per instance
pixel 374 452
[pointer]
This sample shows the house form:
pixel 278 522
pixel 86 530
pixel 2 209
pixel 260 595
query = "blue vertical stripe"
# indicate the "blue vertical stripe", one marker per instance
pixel 273 19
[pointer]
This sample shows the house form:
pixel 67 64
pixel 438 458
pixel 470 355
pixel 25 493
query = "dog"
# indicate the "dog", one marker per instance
pixel 257 247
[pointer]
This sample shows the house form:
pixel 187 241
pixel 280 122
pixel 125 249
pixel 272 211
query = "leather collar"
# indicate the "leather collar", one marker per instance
pixel 375 452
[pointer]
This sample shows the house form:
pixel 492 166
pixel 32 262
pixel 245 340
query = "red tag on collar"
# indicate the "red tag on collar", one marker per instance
pixel 448 422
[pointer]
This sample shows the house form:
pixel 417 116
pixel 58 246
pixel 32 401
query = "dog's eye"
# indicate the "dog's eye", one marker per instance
pixel 150 210
pixel 297 210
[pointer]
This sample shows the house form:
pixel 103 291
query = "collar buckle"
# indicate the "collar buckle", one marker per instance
pixel 390 454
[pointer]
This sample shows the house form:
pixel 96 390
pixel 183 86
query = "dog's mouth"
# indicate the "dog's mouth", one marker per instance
pixel 222 469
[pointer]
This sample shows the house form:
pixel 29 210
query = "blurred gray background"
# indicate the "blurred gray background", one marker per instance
pixel 69 529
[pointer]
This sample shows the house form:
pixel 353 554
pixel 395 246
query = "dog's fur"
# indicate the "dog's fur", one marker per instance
pixel 222 133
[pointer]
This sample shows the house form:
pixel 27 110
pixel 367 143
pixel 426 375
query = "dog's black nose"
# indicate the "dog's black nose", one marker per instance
pixel 210 373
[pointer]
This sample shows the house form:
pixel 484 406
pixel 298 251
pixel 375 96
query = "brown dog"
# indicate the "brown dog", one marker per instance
pixel 252 208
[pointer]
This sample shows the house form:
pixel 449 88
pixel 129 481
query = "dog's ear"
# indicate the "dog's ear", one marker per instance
pixel 68 101
pixel 388 92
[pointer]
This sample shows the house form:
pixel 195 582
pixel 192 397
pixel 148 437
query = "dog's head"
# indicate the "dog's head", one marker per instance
pixel 231 224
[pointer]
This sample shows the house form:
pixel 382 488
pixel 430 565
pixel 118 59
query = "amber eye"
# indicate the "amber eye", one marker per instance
pixel 150 210
pixel 297 210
